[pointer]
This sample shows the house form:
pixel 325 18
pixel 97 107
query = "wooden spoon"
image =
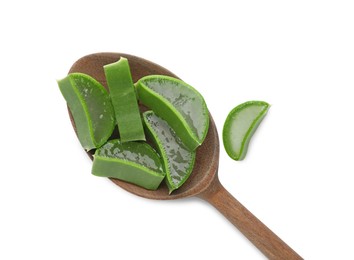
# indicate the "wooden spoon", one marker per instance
pixel 203 182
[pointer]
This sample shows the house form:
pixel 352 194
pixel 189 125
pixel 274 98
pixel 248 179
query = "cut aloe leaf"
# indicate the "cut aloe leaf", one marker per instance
pixel 134 162
pixel 177 160
pixel 91 108
pixel 240 125
pixel 122 91
pixel 179 104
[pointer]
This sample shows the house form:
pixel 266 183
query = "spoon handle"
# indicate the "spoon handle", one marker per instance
pixel 258 233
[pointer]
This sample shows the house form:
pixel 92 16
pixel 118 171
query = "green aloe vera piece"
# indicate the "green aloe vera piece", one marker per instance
pixel 134 162
pixel 179 104
pixel 91 108
pixel 122 91
pixel 240 125
pixel 178 161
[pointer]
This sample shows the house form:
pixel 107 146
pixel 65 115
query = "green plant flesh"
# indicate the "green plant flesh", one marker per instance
pixel 240 125
pixel 177 124
pixel 124 101
pixel 134 162
pixel 179 104
pixel 178 161
pixel 91 108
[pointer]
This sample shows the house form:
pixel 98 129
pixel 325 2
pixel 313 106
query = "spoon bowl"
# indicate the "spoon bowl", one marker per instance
pixel 207 158
pixel 203 182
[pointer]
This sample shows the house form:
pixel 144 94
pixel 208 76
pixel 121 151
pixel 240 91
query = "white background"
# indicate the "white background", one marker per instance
pixel 297 177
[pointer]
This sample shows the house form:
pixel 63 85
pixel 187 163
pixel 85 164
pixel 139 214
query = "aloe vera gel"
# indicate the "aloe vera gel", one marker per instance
pixel 240 125
pixel 175 126
pixel 134 162
pixel 179 104
pixel 177 160
pixel 91 108
pixel 124 101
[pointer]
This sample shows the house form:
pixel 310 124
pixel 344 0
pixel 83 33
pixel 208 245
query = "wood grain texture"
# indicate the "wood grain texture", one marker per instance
pixel 259 234
pixel 203 182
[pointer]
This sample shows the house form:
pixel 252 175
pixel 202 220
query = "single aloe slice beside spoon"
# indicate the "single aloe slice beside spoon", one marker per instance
pixel 134 162
pixel 179 104
pixel 91 108
pixel 178 161
pixel 240 125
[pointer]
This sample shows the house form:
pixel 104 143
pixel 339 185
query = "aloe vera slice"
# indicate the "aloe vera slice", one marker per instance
pixel 134 162
pixel 91 108
pixel 122 91
pixel 177 160
pixel 179 104
pixel 240 125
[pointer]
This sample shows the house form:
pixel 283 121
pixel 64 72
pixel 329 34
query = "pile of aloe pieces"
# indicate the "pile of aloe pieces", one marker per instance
pixel 176 124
